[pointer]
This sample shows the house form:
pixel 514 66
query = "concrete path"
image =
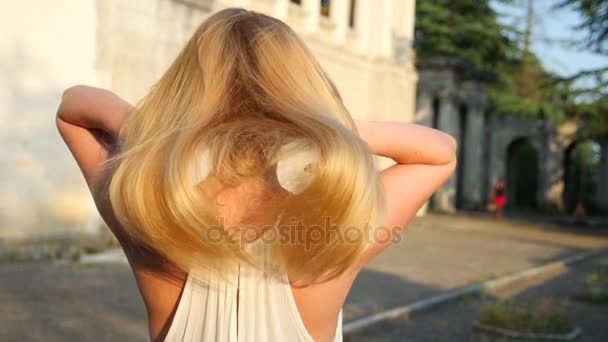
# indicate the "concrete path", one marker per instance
pixel 99 301
pixel 452 322
pixel 444 252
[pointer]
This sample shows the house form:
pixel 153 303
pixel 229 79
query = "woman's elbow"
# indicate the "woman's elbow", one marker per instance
pixel 75 99
pixel 75 89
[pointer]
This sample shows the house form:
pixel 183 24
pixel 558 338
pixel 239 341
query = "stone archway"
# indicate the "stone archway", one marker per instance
pixel 522 172
pixel 582 175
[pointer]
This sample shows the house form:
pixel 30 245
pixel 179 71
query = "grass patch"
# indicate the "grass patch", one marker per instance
pixel 547 317
pixel 597 285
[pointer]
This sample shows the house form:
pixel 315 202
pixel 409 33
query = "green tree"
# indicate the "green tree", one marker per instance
pixel 464 29
pixel 590 100
pixel 516 81
pixel 594 14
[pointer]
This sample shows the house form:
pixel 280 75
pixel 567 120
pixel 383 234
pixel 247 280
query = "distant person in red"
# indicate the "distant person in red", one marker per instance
pixel 500 200
pixel 580 213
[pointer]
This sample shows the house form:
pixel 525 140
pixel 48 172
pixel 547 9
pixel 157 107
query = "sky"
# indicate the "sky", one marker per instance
pixel 550 26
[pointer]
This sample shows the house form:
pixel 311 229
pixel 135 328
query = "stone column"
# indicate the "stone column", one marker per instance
pixel 279 9
pixel 384 33
pixel 444 200
pixel 409 19
pixel 487 166
pixel 312 12
pixel 473 158
pixel 424 116
pixel 602 190
pixel 498 145
pixel 339 15
pixel 220 5
pixel 363 25
pixel 424 108
pixel 403 16
pixel 550 165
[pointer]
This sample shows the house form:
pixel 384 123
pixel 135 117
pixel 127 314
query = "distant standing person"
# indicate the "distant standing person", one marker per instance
pixel 500 200
pixel 580 213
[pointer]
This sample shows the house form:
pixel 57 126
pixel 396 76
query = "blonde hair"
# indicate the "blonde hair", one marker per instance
pixel 247 91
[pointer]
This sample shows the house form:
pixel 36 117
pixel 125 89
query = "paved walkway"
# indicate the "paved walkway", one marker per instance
pixel 452 322
pixel 99 302
pixel 443 252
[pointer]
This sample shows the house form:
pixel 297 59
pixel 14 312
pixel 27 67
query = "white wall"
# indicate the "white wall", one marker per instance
pixel 45 47
pixel 125 45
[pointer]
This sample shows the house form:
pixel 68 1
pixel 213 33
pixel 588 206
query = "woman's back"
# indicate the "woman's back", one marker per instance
pixel 247 91
pixel 250 305
pixel 247 303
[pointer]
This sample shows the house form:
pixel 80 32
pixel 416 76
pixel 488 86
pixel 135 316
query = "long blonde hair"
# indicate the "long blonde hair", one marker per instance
pixel 247 91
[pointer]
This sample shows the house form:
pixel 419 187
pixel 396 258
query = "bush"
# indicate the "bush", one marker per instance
pixel 598 288
pixel 546 318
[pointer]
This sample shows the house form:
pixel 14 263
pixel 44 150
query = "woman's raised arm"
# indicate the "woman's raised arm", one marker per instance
pixel 425 159
pixel 88 120
pixel 408 143
pixel 93 108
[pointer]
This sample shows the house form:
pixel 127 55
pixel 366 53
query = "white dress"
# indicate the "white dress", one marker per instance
pixel 267 311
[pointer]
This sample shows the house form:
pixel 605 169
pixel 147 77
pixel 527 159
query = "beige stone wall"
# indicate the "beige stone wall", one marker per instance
pixel 45 47
pixel 138 39
pixel 125 45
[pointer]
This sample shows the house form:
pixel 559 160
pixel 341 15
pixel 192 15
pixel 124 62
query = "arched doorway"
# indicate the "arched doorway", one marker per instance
pixel 522 175
pixel 435 117
pixel 463 116
pixel 436 107
pixel 582 175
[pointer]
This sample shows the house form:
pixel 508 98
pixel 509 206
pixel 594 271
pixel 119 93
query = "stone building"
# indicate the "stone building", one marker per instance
pixel 450 97
pixel 364 45
pixel 125 45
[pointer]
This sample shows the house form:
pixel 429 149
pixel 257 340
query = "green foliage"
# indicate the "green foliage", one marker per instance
pixel 516 81
pixel 590 101
pixel 598 288
pixel 595 279
pixel 462 28
pixel 595 22
pixel 546 318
